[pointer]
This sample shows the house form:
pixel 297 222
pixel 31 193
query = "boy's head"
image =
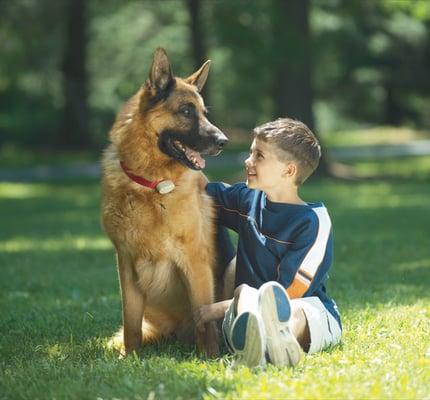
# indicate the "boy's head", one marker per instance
pixel 293 144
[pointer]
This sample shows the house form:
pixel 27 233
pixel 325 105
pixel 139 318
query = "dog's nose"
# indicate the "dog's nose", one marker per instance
pixel 221 141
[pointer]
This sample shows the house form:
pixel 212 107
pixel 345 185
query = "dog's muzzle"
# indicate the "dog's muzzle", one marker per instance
pixel 188 149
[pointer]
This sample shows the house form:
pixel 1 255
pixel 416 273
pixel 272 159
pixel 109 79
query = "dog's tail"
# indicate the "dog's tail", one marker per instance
pixel 149 334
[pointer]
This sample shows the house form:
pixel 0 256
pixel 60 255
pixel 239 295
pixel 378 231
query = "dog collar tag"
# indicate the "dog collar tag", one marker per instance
pixel 165 187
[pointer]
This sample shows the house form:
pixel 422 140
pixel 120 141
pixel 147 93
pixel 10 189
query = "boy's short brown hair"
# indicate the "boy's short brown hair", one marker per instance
pixel 292 141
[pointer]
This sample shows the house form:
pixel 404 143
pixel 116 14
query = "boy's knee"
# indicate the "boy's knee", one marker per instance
pixel 299 326
pixel 239 289
pixel 297 313
pixel 237 293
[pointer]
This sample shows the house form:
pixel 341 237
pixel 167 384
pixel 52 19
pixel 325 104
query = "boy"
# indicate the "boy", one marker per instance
pixel 284 252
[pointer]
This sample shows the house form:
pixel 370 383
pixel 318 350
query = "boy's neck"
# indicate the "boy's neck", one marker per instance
pixel 288 195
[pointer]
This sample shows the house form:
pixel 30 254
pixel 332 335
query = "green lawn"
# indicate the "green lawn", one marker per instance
pixel 59 302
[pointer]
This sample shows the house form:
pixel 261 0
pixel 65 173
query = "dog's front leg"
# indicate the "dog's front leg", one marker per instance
pixel 132 304
pixel 200 285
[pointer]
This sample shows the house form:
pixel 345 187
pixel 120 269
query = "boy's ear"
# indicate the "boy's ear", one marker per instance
pixel 290 170
pixel 199 77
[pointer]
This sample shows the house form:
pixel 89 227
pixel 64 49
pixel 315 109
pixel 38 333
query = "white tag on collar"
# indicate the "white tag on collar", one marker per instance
pixel 165 187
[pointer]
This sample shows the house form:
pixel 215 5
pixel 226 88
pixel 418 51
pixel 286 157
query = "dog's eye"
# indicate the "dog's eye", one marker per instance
pixel 187 110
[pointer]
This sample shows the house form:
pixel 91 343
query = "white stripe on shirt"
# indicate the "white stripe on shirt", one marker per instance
pixel 316 253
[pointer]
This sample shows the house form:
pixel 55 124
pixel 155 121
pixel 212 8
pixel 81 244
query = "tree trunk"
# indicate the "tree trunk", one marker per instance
pixel 197 40
pixel 292 84
pixel 75 132
pixel 392 111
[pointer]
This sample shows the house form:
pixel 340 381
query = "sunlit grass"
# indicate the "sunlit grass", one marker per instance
pixel 60 303
pixel 20 244
pixel 405 167
pixel 12 156
pixel 12 190
pixel 381 135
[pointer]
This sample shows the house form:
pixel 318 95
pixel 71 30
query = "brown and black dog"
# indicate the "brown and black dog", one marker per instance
pixel 159 221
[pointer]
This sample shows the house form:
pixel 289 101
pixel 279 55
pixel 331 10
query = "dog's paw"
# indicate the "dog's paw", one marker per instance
pixel 207 341
pixel 211 350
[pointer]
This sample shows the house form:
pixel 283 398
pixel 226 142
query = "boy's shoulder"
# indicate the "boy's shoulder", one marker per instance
pixel 319 215
pixel 310 217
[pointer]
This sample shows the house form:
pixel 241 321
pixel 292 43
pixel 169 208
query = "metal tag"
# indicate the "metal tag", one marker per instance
pixel 165 187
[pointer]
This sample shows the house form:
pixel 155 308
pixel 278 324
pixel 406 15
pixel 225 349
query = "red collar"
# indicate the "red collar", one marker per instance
pixel 138 179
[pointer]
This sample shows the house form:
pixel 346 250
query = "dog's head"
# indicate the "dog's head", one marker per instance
pixel 176 114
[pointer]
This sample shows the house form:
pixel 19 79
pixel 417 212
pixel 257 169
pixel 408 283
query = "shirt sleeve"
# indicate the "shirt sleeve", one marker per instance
pixel 227 201
pixel 305 265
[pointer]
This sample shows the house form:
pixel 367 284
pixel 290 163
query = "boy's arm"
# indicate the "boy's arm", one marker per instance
pixel 307 261
pixel 227 201
pixel 210 312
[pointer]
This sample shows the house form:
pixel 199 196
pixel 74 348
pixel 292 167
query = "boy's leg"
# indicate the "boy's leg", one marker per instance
pixel 228 280
pixel 226 264
pixel 299 326
pixel 245 299
pixel 314 326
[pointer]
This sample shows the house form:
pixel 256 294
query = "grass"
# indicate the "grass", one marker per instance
pixel 380 135
pixel 415 168
pixel 12 156
pixel 60 303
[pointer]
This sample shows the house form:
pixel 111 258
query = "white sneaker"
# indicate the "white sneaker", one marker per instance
pixel 283 349
pixel 248 339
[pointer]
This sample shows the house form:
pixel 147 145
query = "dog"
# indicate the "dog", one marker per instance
pixel 160 222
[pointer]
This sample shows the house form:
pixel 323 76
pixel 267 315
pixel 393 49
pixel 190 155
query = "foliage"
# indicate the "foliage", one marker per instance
pixel 370 61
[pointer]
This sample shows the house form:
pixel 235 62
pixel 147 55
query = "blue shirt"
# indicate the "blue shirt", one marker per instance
pixel 288 243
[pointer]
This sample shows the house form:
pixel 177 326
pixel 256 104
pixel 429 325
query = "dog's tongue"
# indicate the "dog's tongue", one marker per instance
pixel 195 157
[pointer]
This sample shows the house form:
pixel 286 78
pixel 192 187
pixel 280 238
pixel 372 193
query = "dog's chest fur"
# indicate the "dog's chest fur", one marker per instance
pixel 157 231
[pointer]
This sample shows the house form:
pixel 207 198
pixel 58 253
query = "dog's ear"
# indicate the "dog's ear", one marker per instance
pixel 199 77
pixel 160 75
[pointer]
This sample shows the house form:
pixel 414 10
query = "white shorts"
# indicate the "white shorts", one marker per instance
pixel 323 328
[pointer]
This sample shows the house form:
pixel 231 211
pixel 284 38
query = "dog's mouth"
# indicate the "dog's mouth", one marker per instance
pixel 192 156
pixel 181 152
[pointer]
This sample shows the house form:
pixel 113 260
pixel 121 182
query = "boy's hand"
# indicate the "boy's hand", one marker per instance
pixel 203 315
pixel 210 312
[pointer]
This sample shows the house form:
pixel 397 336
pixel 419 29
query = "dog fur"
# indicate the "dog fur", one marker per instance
pixel 165 243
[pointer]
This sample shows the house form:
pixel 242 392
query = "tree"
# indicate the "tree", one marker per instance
pixel 292 85
pixel 75 132
pixel 198 42
pixel 292 63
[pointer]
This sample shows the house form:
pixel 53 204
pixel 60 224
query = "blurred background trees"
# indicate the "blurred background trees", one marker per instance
pixel 67 65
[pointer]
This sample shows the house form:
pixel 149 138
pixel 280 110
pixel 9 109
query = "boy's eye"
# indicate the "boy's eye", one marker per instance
pixel 255 154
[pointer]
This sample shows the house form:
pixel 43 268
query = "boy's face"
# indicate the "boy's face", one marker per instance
pixel 264 171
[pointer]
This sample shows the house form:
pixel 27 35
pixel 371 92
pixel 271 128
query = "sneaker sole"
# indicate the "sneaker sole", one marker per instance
pixel 247 340
pixel 282 348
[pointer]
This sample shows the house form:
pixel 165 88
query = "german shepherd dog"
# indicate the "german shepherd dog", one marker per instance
pixel 153 211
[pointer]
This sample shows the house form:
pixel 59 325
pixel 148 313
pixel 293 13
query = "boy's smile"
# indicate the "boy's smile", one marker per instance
pixel 263 169
pixel 265 172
